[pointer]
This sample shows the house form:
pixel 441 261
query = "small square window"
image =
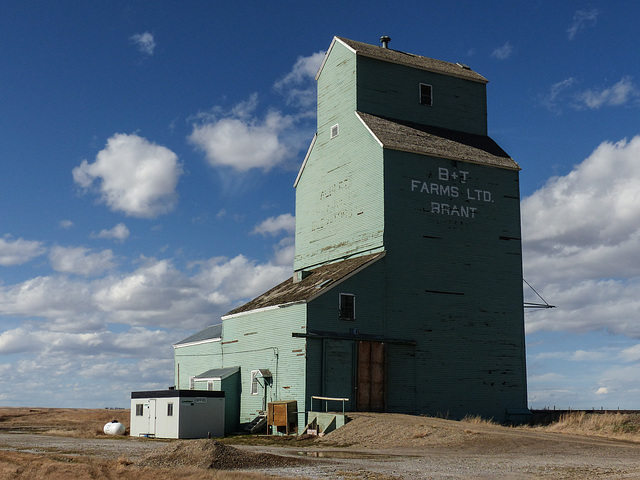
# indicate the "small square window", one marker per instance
pixel 169 409
pixel 426 94
pixel 139 409
pixel 347 306
pixel 335 130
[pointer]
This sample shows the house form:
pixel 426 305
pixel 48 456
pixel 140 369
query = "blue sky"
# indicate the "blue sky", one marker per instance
pixel 148 153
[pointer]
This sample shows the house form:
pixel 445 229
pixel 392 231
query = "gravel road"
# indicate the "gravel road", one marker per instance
pixel 508 454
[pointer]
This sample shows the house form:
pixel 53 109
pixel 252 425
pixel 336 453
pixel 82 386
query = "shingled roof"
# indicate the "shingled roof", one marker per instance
pixel 213 332
pixel 411 60
pixel 316 282
pixel 437 142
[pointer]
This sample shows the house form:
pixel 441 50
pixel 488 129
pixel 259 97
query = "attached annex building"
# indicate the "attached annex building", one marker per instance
pixel 407 286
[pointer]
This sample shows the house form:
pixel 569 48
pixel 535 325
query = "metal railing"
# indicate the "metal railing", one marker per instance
pixel 327 400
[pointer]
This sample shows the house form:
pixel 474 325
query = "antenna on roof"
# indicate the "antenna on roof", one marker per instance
pixel 385 41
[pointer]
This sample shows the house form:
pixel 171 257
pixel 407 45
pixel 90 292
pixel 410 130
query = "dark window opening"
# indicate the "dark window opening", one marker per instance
pixel 347 306
pixel 139 409
pixel 169 409
pixel 426 94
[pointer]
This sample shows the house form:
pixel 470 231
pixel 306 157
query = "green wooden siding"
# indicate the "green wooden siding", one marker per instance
pixel 457 281
pixel 392 90
pixel 263 340
pixel 192 360
pixel 339 206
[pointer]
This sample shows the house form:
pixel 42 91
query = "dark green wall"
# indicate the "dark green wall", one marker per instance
pixel 456 281
pixel 391 90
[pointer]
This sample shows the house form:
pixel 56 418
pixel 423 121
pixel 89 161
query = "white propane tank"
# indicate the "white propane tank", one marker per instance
pixel 114 428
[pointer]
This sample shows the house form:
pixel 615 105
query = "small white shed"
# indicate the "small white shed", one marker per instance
pixel 177 414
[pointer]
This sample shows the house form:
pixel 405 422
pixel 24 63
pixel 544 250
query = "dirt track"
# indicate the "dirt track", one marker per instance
pixel 390 447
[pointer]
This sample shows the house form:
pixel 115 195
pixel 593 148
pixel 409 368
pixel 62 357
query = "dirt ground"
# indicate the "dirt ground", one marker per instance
pixel 68 443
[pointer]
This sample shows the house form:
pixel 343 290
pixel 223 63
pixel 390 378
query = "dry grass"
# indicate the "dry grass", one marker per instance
pixel 66 422
pixel 621 426
pixel 478 420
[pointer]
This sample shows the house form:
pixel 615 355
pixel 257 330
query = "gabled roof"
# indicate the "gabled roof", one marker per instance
pixel 211 333
pixel 437 142
pixel 317 282
pixel 411 60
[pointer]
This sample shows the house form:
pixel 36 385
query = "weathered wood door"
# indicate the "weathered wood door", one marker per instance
pixel 371 377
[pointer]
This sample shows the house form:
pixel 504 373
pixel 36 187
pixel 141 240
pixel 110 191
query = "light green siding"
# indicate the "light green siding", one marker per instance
pixel 263 340
pixel 192 360
pixel 392 90
pixel 339 205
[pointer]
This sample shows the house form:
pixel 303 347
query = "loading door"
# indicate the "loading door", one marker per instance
pixel 371 377
pixel 338 372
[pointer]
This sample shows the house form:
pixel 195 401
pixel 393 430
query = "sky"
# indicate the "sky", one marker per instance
pixel 148 151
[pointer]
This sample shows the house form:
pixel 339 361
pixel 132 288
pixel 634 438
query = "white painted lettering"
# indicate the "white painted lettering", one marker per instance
pixel 414 184
pixel 443 174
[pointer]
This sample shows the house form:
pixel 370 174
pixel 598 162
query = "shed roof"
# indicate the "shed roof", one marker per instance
pixel 436 141
pixel 220 373
pixel 411 60
pixel 318 281
pixel 212 332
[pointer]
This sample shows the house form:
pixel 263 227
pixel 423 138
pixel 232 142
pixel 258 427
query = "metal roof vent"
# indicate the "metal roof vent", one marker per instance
pixel 385 41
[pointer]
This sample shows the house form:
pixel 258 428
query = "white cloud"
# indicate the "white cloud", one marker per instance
pixel 602 391
pixel 18 251
pixel 242 140
pixel 619 94
pixel 80 260
pixel 244 144
pixel 299 85
pixel 563 94
pixel 120 232
pixel 580 233
pixel 65 224
pixel 581 20
pixel 275 225
pixel 145 42
pixel 134 176
pixel 503 52
pixel 156 294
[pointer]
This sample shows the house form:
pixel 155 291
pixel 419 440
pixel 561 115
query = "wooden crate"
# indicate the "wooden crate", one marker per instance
pixel 283 415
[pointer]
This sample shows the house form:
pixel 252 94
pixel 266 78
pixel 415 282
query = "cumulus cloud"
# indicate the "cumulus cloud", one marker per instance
pixel 17 252
pixel 65 224
pixel 80 260
pixel 244 144
pixel 120 233
pixel 275 225
pixel 133 176
pixel 242 140
pixel 145 42
pixel 581 20
pixel 503 52
pixel 156 294
pixel 580 232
